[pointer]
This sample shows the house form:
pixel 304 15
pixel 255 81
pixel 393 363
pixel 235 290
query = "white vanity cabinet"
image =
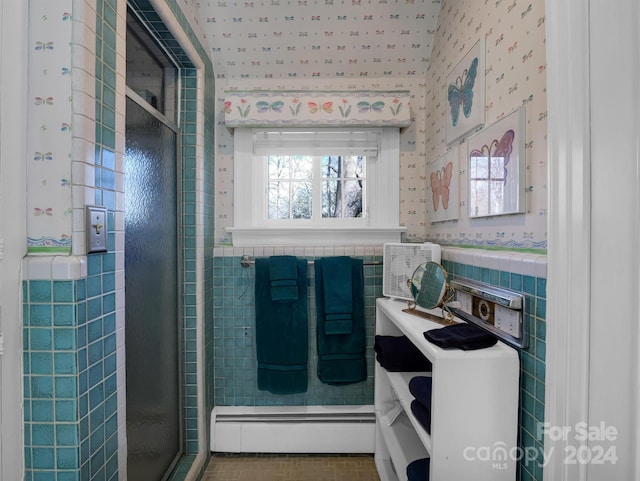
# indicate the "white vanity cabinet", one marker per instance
pixel 474 407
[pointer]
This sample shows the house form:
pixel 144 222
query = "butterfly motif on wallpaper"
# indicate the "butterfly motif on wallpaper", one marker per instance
pixel 364 106
pixel 440 183
pixel 264 106
pixel 460 93
pixel 315 107
pixel 497 149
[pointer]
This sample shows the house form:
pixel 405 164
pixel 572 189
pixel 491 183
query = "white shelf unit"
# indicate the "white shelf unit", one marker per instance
pixel 474 407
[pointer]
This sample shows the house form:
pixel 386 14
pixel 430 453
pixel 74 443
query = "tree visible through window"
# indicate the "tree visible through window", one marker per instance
pixel 331 186
pixel 290 187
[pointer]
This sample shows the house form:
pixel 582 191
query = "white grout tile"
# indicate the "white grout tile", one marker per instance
pixel 37 267
pixel 529 265
pixel 541 267
pixel 515 262
pixel 68 267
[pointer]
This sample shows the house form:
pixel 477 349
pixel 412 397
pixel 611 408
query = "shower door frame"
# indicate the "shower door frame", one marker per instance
pixel 142 103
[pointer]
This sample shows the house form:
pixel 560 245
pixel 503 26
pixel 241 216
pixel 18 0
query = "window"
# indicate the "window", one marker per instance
pixel 294 180
pixel 315 187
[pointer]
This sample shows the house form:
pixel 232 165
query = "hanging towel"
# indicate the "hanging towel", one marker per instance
pixel 341 351
pixel 462 336
pixel 283 275
pixel 418 470
pixel 337 285
pixel 399 354
pixel 281 334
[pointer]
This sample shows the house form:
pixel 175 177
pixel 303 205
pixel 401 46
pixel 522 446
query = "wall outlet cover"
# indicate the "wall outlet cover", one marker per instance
pixel 96 228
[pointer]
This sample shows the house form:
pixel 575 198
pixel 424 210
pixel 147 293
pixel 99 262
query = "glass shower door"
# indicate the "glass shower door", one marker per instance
pixel 152 309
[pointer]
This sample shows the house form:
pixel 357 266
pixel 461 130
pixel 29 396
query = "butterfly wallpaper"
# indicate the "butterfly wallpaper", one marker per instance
pixel 465 94
pixel 514 75
pixel 443 185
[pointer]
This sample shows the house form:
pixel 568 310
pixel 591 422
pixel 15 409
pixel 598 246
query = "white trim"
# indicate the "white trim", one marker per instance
pixel 13 230
pixel 524 263
pixel 293 429
pixel 569 282
pixel 614 229
pixel 58 268
pixel 279 236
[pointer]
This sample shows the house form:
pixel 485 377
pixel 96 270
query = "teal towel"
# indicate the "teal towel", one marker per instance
pixel 337 295
pixel 282 343
pixel 283 275
pixel 341 357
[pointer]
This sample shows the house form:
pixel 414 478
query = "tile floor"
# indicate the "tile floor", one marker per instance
pixel 291 467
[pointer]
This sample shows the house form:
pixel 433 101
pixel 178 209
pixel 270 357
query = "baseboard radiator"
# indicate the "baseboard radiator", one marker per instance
pixel 293 429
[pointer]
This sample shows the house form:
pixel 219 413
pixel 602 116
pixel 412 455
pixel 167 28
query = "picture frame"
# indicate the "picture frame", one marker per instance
pixel 465 94
pixel 442 180
pixel 496 168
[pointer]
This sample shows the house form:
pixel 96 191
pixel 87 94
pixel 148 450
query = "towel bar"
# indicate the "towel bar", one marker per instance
pixel 245 261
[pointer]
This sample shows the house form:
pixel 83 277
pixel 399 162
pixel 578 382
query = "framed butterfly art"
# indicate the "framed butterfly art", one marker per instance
pixel 497 167
pixel 442 185
pixel 465 94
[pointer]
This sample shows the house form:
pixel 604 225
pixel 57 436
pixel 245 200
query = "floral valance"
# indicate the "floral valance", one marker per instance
pixel 267 108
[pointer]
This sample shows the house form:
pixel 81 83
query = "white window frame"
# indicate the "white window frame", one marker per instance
pixel 252 228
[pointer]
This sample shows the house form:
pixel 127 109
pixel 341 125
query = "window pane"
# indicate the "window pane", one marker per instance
pixel 290 200
pixel 353 166
pixel 279 200
pixel 278 167
pixel 353 198
pixel 331 199
pixel 302 200
pixel 301 167
pixel 331 166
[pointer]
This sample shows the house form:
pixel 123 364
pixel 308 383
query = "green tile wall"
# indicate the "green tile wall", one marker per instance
pixel 235 364
pixel 532 359
pixel 70 378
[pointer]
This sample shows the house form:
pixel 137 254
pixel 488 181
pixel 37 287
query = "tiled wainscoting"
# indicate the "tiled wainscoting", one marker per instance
pixel 525 273
pixel 234 340
pixel 234 331
pixel 70 367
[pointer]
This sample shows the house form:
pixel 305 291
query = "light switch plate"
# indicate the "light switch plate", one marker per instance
pixel 96 228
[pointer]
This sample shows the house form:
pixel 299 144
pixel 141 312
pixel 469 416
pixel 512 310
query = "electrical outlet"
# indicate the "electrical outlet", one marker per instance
pixel 96 227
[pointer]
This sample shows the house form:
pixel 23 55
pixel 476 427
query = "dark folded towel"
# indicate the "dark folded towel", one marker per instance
pixel 420 387
pixel 341 350
pixel 283 276
pixel 462 336
pixel 399 354
pixel 422 413
pixel 418 470
pixel 281 334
